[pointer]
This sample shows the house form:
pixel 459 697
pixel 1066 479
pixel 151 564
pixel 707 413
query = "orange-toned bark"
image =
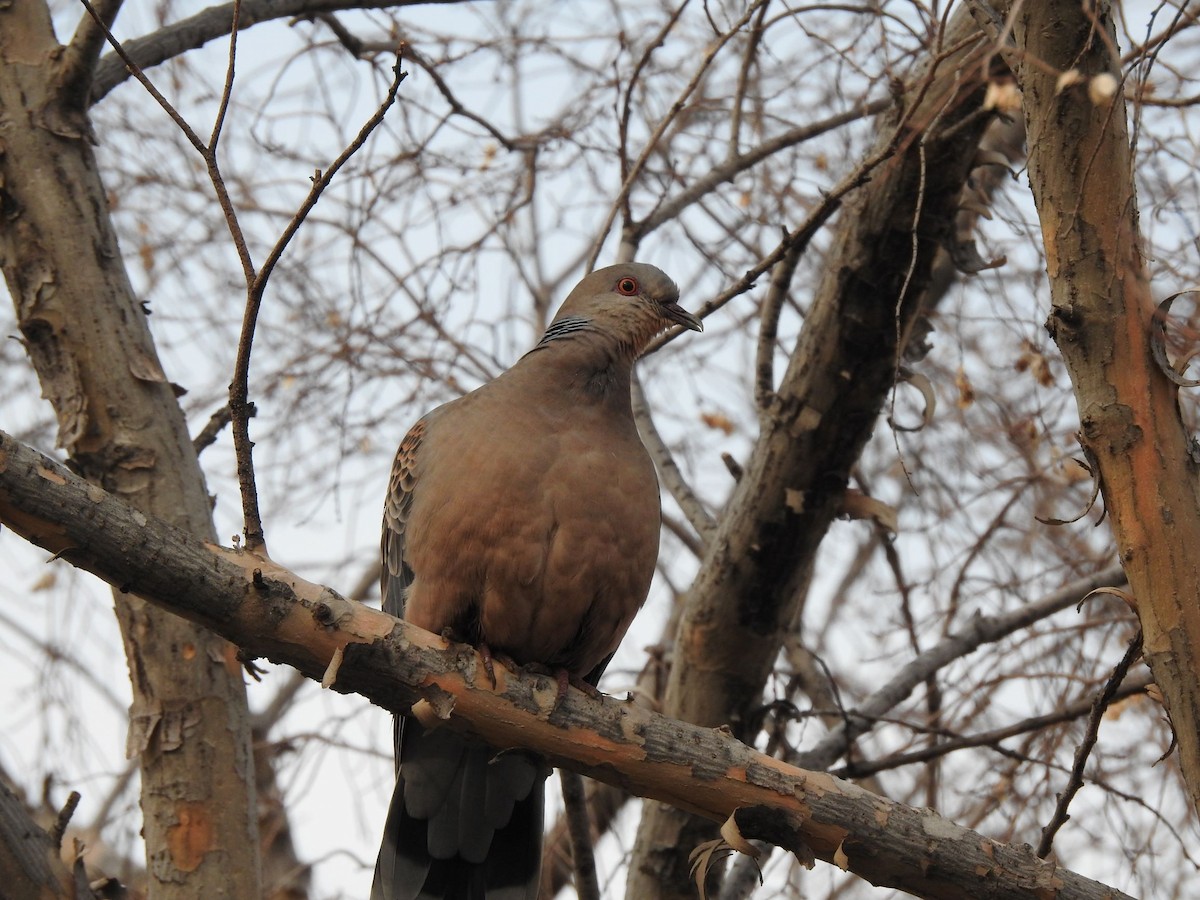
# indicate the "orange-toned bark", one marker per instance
pixel 1080 169
pixel 273 612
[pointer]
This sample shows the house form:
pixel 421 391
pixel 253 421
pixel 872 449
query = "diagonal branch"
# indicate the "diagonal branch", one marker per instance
pixel 214 22
pixel 75 72
pixel 981 630
pixel 270 611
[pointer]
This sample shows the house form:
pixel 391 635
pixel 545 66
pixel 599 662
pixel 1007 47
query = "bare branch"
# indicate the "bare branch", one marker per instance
pixel 862 768
pixel 983 629
pixel 272 612
pixel 74 80
pixel 241 410
pixel 1083 751
pixel 212 23
pixel 586 885
pixel 693 509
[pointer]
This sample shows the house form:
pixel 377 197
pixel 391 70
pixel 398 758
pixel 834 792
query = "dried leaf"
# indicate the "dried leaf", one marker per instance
pixel 1034 361
pixel 1094 469
pixel 1158 343
pixel 44 583
pixel 857 505
pixel 966 393
pixel 718 422
pixel 701 858
pixel 922 384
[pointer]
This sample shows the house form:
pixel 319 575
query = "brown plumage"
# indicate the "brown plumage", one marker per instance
pixel 524 516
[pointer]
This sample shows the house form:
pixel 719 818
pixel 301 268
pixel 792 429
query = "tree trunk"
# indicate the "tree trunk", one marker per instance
pixel 1081 172
pixel 749 587
pixel 122 427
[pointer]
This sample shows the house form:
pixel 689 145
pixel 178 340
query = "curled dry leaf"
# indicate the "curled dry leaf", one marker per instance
pixel 1093 467
pixel 701 858
pixel 1158 342
pixel 736 841
pixel 1034 361
pixel 857 505
pixel 922 384
pixel 1116 592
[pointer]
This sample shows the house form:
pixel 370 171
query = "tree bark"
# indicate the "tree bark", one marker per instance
pixel 1101 317
pixel 122 427
pixel 707 772
pixel 747 592
pixel 30 865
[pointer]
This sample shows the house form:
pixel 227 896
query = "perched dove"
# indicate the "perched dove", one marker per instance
pixel 523 518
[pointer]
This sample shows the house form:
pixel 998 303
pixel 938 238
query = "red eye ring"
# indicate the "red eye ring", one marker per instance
pixel 627 286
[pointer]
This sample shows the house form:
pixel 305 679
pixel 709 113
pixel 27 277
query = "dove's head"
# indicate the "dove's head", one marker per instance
pixel 629 302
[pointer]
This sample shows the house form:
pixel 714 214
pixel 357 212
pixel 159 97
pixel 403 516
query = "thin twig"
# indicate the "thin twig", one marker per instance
pixel 749 60
pixel 1083 751
pixel 768 327
pixel 64 818
pixel 627 109
pixel 240 407
pixel 676 485
pixel 361 49
pixel 981 630
pixel 863 768
pixel 652 143
pixel 212 429
pixel 227 88
pixel 587 887
pixel 796 241
pixel 137 73
pixel 669 210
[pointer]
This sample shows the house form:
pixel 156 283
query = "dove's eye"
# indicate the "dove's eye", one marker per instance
pixel 627 286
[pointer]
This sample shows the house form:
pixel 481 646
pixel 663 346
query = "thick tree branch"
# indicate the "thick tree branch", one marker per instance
pixel 215 22
pixel 271 612
pixel 827 404
pixel 88 339
pixel 1081 173
pixel 74 78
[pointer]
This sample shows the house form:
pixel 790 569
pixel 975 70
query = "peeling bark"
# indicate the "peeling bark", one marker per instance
pixel 122 427
pixel 1081 172
pixel 746 594
pixel 273 612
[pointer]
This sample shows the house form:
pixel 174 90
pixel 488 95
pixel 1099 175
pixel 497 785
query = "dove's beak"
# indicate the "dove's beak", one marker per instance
pixel 678 314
